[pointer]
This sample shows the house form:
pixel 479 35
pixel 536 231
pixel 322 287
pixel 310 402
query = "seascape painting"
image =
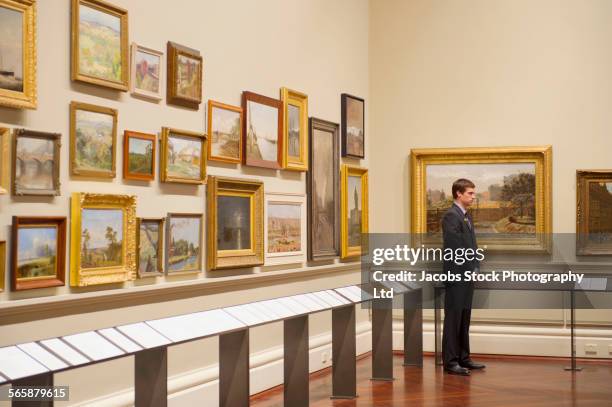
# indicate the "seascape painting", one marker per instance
pixel 140 156
pixel 293 137
pixel 94 141
pixel 225 133
pixel 284 227
pixel 147 73
pixel 354 127
pixel 102 238
pixel 188 81
pixel 184 157
pixel 184 243
pixel 323 204
pixel 37 252
pixel 505 196
pixel 354 210
pixel 233 222
pixel 11 49
pixel 99 44
pixel 34 163
pixel 148 250
pixel 262 132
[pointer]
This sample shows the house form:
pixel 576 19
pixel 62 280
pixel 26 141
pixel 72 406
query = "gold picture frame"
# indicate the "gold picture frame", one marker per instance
pixel 124 268
pixel 175 96
pixel 592 184
pixel 536 161
pixel 243 249
pixel 24 95
pixel 166 172
pixel 5 160
pixel 299 101
pixel 159 264
pixel 77 169
pixel 354 221
pixel 77 72
pixel 2 264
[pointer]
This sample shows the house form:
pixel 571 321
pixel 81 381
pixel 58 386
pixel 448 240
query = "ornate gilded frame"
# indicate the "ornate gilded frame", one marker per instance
pixel 167 132
pixel 160 247
pixel 5 160
pixel 347 251
pixel 169 218
pixel 103 275
pixel 212 105
pixel 541 156
pixel 156 96
pixel 222 259
pixel 299 100
pixel 127 135
pixel 56 139
pixel 108 9
pixel 74 170
pixel 173 52
pixel 27 98
pixel 583 211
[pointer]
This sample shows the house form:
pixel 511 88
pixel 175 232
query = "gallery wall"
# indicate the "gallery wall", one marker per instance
pixel 317 47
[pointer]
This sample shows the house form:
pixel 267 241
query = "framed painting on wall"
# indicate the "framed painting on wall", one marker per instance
pixel 139 156
pixel 36 163
pixel 235 223
pixel 594 212
pixel 184 84
pixel 2 264
pixel 323 190
pixel 38 257
pixel 100 44
pixel 512 210
pixel 225 132
pixel 183 243
pixel 5 160
pixel 262 131
pixel 285 227
pixel 18 53
pixel 295 131
pixel 183 156
pixel 93 140
pixel 149 241
pixel 102 239
pixel 353 126
pixel 147 74
pixel 354 210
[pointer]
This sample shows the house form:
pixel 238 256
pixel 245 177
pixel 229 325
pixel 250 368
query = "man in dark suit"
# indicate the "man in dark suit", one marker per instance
pixel 458 232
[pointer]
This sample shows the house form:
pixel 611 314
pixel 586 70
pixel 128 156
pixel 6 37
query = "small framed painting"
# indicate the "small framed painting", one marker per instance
pixel 262 130
pixel 139 156
pixel 2 264
pixel 594 212
pixel 235 223
pixel 285 228
pixel 183 243
pixel 5 160
pixel 18 53
pixel 149 241
pixel 225 132
pixel 93 140
pixel 184 76
pixel 354 208
pixel 36 163
pixel 295 132
pixel 353 126
pixel 100 44
pixel 102 239
pixel 146 72
pixel 183 156
pixel 38 257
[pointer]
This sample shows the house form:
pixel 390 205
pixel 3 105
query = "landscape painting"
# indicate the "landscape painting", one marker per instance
pixel 11 49
pixel 505 196
pixel 284 227
pixel 184 157
pixel 100 52
pixel 35 167
pixel 147 66
pixel 355 210
pixel 353 117
pixel 594 212
pixel 184 243
pixel 225 131
pixel 93 143
pixel 188 79
pixel 37 252
pixel 600 207
pixel 262 132
pixel 149 246
pixel 293 139
pixel 234 222
pixel 102 238
pixel 140 156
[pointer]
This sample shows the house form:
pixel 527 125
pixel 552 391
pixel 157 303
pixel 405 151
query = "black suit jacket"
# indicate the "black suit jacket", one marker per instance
pixel 457 234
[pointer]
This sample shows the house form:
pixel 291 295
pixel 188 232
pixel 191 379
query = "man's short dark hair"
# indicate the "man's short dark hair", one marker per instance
pixel 461 185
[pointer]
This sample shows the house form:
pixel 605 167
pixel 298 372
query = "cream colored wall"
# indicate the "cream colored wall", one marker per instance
pixel 316 46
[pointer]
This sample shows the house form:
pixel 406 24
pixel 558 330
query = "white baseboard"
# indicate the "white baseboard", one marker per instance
pixel 194 387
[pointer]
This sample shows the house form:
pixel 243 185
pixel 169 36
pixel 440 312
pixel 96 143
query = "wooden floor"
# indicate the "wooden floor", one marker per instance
pixel 507 381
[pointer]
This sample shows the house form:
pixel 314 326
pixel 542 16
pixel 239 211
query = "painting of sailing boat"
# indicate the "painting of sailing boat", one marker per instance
pixel 262 129
pixel 11 49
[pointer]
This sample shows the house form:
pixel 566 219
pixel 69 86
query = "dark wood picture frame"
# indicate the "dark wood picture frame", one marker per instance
pixel 584 179
pixel 127 135
pixel 333 129
pixel 39 221
pixel 53 137
pixel 343 102
pixel 173 51
pixel 268 101
pixel 160 249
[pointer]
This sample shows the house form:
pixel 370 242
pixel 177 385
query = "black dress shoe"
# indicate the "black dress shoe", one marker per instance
pixel 472 365
pixel 458 370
